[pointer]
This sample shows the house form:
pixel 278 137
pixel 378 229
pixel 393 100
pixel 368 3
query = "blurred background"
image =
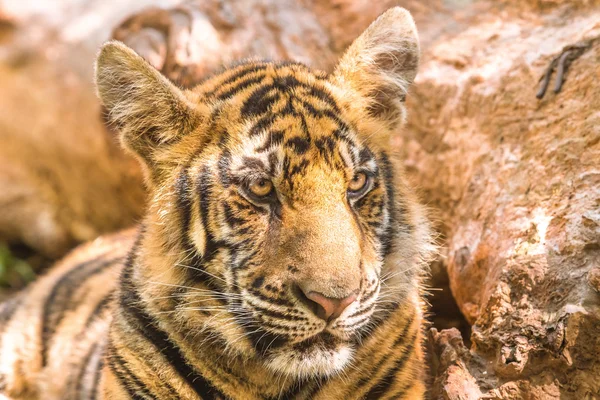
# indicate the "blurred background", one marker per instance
pixel 502 142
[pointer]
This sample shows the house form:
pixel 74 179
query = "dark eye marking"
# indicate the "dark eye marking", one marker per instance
pixel 253 164
pixel 365 155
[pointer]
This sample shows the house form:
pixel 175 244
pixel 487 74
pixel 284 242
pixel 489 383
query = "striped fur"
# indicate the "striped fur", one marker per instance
pixel 206 300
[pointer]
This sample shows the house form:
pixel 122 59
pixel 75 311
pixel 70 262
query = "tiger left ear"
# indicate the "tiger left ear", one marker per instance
pixel 150 112
pixel 381 64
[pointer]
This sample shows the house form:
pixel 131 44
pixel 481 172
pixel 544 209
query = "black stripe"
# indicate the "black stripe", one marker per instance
pixel 258 282
pixel 59 299
pixel 299 168
pixel 387 238
pixel 211 246
pixel 230 217
pixel 260 101
pixel 400 339
pixel 380 315
pixel 100 307
pixel 361 312
pixel 244 70
pixel 263 341
pixel 319 112
pixel 84 367
pixel 245 83
pixel 7 310
pixel 253 163
pixel 224 172
pixel 386 382
pixel 261 125
pixel 247 262
pixel 276 314
pixel 319 383
pixel 130 303
pixel 326 145
pixel 128 380
pixel 183 202
pixel 277 301
pixel 323 95
pixel 273 161
pixel 97 376
pixel 400 394
pixel 299 144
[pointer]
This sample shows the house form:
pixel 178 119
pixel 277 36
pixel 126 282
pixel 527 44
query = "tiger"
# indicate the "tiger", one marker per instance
pixel 282 253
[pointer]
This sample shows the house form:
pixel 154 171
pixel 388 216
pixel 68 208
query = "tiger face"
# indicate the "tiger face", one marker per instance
pixel 280 226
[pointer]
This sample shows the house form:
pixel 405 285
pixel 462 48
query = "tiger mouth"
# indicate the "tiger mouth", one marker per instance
pixel 323 341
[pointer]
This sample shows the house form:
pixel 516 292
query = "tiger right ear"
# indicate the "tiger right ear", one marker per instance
pixel 150 112
pixel 381 64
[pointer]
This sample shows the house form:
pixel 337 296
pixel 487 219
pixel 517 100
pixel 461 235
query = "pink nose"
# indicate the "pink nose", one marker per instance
pixel 329 308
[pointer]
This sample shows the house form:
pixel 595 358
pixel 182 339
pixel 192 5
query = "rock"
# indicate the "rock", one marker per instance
pixel 516 188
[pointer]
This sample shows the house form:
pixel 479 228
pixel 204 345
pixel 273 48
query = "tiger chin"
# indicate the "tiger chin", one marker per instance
pixel 280 257
pixel 327 349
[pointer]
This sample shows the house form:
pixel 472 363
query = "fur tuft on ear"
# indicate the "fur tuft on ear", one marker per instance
pixel 381 64
pixel 146 107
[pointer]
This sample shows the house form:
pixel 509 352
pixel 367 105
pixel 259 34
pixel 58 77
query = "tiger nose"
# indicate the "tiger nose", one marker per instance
pixel 328 308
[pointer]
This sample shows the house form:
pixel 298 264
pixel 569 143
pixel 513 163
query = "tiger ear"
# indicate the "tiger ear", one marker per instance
pixel 381 64
pixel 149 111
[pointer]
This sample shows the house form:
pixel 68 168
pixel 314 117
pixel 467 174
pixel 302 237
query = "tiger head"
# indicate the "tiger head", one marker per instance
pixel 280 223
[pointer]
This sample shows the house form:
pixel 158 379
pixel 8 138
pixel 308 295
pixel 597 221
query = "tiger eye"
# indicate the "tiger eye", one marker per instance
pixel 358 182
pixel 261 187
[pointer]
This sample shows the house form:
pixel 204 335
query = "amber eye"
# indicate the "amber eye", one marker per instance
pixel 261 187
pixel 359 184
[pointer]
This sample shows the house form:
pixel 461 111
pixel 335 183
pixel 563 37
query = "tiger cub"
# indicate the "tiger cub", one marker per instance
pixel 281 253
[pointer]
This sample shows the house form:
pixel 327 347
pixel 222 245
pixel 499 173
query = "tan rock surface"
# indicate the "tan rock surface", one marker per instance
pixel 516 184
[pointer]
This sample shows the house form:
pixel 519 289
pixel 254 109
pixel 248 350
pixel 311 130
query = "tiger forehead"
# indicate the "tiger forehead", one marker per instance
pixel 281 113
pixel 262 96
